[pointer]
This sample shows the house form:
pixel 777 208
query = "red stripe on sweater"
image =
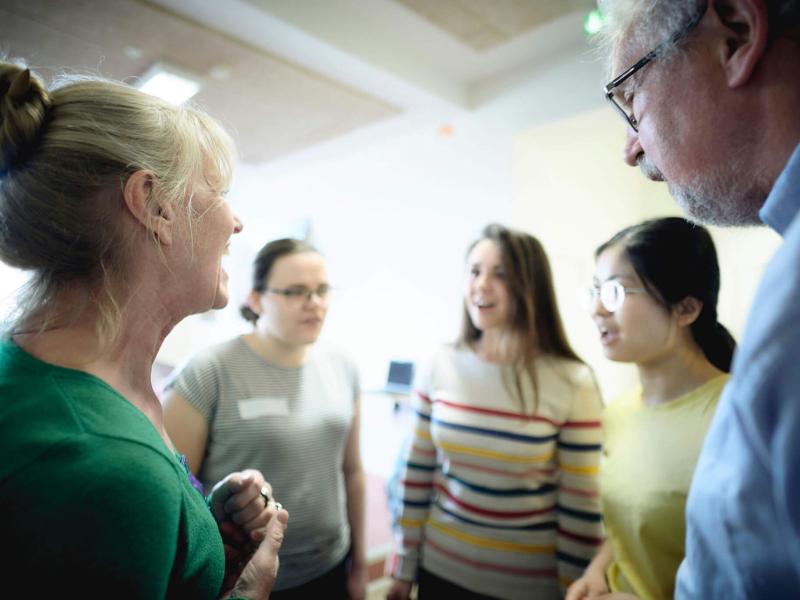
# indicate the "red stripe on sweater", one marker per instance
pixel 582 424
pixel 497 413
pixel 416 484
pixel 512 514
pixel 585 539
pixel 577 492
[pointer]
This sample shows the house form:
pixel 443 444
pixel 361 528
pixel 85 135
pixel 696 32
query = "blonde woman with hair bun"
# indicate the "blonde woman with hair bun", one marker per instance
pixel 114 202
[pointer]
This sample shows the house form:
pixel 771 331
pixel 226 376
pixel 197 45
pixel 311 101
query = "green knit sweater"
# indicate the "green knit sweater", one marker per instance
pixel 92 502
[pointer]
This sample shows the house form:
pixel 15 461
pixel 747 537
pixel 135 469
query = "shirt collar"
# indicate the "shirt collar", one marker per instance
pixel 783 202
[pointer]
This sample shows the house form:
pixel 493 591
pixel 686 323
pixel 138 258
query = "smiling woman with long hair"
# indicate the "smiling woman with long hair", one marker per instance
pixel 499 487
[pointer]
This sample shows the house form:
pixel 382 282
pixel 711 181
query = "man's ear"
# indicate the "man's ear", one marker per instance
pixel 745 27
pixel 160 220
pixel 688 310
pixel 254 301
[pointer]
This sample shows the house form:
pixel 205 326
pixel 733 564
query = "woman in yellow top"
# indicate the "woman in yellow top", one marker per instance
pixel 654 301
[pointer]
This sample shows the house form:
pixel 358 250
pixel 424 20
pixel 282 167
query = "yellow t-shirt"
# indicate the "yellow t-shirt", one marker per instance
pixel 649 457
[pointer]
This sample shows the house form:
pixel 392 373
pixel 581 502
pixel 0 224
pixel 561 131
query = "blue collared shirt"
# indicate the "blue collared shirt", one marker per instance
pixel 743 510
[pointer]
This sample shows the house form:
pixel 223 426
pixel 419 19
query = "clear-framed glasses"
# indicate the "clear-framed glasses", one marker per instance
pixel 623 101
pixel 611 293
pixel 300 293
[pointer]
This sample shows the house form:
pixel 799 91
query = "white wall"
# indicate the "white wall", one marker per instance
pixel 10 282
pixel 393 220
pixel 394 210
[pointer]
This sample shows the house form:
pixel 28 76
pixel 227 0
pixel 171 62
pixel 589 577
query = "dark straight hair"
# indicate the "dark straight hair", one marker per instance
pixel 265 260
pixel 534 318
pixel 676 259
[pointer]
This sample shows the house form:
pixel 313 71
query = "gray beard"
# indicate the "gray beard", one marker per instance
pixel 714 198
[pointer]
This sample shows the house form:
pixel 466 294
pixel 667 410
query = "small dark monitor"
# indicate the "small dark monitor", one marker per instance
pixel 400 378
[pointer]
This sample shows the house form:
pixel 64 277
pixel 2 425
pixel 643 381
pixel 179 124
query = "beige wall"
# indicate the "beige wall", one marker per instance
pixel 573 191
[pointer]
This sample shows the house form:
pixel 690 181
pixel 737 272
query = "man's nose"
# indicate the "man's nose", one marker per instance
pixel 632 149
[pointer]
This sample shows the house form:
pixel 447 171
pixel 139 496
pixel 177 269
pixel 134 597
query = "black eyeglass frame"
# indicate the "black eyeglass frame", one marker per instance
pixel 639 64
pixel 322 292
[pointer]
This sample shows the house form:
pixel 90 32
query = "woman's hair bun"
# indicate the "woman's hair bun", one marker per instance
pixel 24 102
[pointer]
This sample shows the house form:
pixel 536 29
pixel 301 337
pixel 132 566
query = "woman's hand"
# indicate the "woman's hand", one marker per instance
pixel 242 513
pixel 238 498
pixel 357 582
pixel 259 573
pixel 590 586
pixel 400 590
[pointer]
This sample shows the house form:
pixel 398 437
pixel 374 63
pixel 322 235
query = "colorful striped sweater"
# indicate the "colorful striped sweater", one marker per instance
pixel 496 499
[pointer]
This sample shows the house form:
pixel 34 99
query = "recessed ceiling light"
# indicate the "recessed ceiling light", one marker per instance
pixel 170 83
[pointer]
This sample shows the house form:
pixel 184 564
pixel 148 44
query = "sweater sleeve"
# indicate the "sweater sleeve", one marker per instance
pixel 414 488
pixel 580 529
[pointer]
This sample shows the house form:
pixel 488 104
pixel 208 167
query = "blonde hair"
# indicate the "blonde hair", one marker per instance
pixel 65 155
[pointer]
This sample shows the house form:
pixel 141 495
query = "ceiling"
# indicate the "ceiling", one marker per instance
pixel 485 25
pixel 287 75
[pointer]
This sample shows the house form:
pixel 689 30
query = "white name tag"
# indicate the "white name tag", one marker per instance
pixel 252 408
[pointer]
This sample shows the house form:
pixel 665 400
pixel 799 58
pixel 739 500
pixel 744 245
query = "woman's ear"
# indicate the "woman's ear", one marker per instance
pixel 137 193
pixel 254 301
pixel 688 310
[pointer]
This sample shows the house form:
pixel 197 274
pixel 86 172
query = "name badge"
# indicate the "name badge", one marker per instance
pixel 253 408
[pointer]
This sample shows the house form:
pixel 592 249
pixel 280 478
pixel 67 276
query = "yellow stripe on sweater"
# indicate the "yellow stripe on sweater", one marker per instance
pixel 412 523
pixel 474 540
pixel 591 470
pixel 514 458
pixel 472 451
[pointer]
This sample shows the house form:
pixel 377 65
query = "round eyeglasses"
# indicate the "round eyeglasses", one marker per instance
pixel 611 294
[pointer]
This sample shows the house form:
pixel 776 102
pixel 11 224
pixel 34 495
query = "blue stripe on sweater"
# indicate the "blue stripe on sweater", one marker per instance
pixel 544 526
pixel 580 447
pixel 419 467
pixel 579 514
pixel 417 503
pixel 573 560
pixel 536 439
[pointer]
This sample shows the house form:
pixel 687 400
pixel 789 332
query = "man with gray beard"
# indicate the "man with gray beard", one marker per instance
pixel 710 91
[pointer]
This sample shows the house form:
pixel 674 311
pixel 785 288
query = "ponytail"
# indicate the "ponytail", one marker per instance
pixel 715 341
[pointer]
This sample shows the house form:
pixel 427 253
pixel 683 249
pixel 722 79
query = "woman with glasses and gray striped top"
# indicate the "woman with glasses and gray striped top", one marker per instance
pixel 276 400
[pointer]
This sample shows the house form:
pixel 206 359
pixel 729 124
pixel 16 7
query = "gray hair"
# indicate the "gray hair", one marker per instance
pixel 647 23
pixel 644 23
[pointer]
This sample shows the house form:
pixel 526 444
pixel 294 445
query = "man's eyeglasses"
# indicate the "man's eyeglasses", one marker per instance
pixel 624 102
pixel 300 293
pixel 611 294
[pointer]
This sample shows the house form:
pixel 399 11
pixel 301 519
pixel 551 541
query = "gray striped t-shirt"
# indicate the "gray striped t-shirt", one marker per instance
pixel 290 423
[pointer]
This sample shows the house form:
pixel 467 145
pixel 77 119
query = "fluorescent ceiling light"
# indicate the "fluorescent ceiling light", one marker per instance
pixel 169 83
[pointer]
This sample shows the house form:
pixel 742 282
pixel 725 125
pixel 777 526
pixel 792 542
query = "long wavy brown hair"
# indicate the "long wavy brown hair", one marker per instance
pixel 534 320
